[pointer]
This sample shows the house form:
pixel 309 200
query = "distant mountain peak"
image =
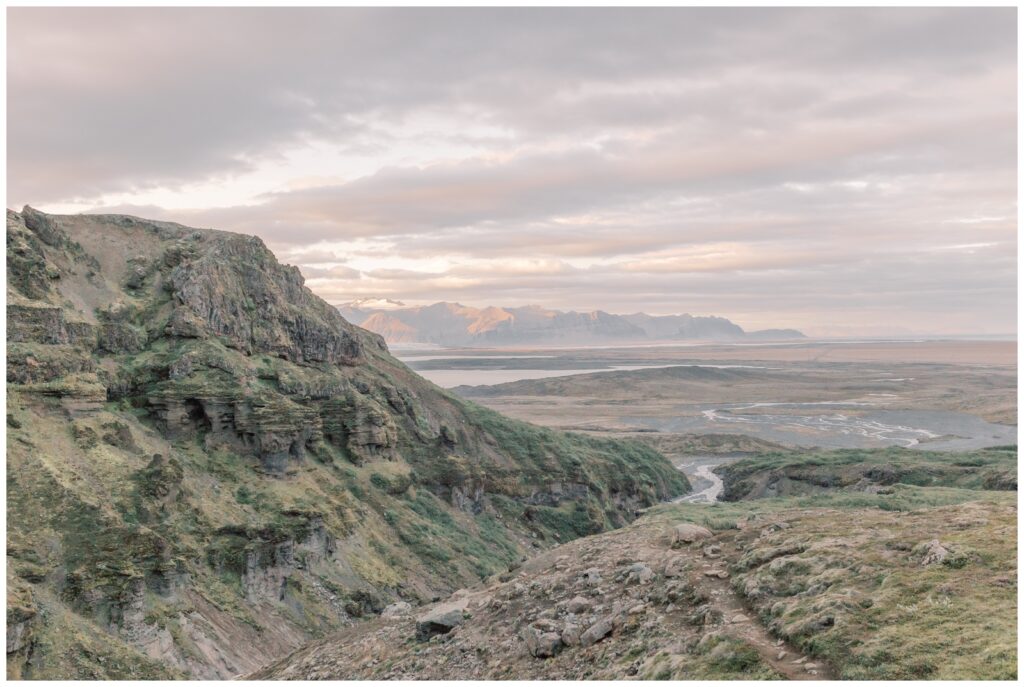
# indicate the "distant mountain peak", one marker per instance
pixel 453 324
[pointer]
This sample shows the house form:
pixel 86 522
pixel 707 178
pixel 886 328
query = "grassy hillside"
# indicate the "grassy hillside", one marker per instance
pixel 207 466
pixel 849 579
pixel 912 583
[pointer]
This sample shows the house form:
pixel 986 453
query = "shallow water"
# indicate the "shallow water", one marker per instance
pixel 844 425
pixel 699 469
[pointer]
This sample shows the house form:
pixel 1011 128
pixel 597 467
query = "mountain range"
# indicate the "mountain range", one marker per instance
pixel 454 324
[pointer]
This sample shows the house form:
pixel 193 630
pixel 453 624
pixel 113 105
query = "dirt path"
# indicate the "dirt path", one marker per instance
pixel 647 605
pixel 741 622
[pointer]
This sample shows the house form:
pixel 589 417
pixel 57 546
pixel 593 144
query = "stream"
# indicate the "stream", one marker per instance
pixel 699 469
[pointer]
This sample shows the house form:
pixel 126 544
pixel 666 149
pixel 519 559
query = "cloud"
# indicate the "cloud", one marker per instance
pixel 797 165
pixel 337 272
pixel 313 256
pixel 401 275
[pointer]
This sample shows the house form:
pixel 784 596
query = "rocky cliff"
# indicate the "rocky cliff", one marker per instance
pixel 208 466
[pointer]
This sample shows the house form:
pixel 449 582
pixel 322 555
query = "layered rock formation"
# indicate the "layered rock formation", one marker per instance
pixel 209 466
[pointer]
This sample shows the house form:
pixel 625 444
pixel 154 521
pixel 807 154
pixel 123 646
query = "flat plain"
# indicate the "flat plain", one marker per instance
pixel 955 395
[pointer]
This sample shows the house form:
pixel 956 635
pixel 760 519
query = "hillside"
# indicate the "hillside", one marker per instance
pixel 900 582
pixel 453 324
pixel 207 466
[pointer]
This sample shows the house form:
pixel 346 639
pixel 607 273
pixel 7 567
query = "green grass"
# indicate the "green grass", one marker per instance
pixel 844 580
pixel 605 465
pixel 804 473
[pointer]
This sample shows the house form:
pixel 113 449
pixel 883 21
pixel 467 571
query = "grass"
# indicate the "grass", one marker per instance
pixel 715 657
pixel 844 577
pixel 788 473
pixel 606 466
pixel 376 454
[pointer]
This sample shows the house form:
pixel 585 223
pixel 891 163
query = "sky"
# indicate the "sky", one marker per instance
pixel 842 171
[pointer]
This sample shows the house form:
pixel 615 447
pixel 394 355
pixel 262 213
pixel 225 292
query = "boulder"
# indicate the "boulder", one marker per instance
pixel 541 644
pixel 439 621
pixel 687 533
pixel 598 631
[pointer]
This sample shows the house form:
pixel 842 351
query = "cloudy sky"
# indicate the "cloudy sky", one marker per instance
pixel 839 170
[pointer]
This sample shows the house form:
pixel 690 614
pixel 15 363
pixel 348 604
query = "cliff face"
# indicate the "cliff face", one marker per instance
pixel 208 466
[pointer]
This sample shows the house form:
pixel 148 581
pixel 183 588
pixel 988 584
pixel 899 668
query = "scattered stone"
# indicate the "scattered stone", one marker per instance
pixel 591 576
pixel 713 551
pixel 721 574
pixel 782 655
pixel 639 573
pixel 676 567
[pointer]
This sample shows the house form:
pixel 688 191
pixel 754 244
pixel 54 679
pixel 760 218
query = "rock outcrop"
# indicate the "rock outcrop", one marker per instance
pixel 208 465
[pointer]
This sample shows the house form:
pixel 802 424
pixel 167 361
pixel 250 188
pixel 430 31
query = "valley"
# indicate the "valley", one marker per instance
pixel 208 467
pixel 860 525
pixel 956 395
pixel 519 343
pixel 211 474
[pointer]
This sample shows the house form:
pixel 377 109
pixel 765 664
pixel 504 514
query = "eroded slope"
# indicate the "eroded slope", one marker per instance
pixel 914 583
pixel 208 466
